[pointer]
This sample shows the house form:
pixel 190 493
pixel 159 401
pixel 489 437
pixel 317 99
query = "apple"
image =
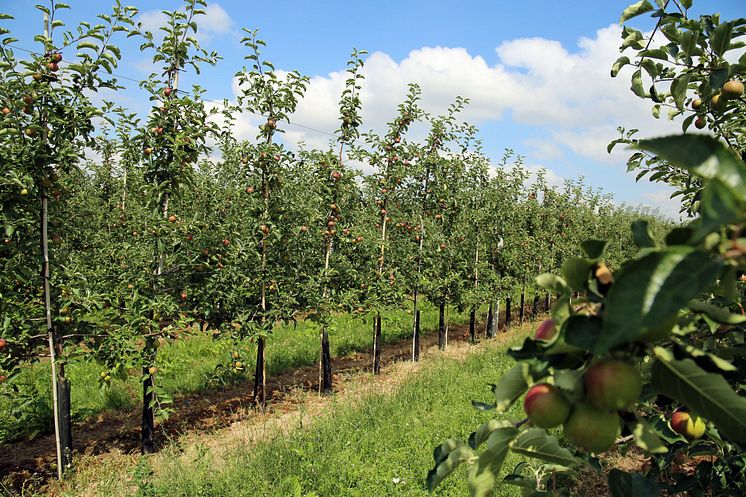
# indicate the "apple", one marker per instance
pixel 190 237
pixel 6 111
pixel 612 384
pixel 691 426
pixel 37 77
pixel 147 151
pixel 303 229
pixel 592 429
pixel 546 330
pixel 700 122
pixel 3 378
pixel 226 242
pixel 172 218
pixel 167 91
pixel 30 132
pixel 28 99
pixel 184 295
pixel 28 110
pixel 103 374
pixel 732 89
pixel 264 229
pixel 546 406
pixel 67 319
pixel 235 355
pixel 249 189
pixel 271 123
pixel 359 238
pixel 603 275
pixel 336 175
pixel 152 370
pixel 717 103
pixel 53 66
pixel 56 58
pixel 3 343
pixel 697 103
pixel 6 241
pixel 24 191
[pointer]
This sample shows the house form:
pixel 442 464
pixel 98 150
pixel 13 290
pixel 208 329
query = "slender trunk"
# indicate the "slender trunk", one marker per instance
pixel 260 381
pixel 547 302
pixel 535 306
pixel 377 342
pixel 65 422
pixel 496 318
pixel 442 326
pixel 148 404
pixel 507 313
pixel 522 311
pixel 473 326
pixel 416 329
pixel 488 328
pixel 325 381
pixel 416 340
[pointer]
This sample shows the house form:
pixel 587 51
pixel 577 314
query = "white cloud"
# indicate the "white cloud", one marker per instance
pixel 215 23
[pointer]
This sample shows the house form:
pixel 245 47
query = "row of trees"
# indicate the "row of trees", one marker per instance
pixel 177 221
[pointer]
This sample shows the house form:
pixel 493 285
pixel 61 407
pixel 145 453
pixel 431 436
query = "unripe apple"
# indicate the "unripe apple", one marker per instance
pixel 546 330
pixel 612 384
pixel 717 102
pixel 37 77
pixel 546 406
pixel 697 103
pixel 591 428
pixel 152 370
pixel 732 89
pixel 235 355
pixel 24 191
pixel 30 132
pixel 147 151
pixel 687 424
pixel 700 122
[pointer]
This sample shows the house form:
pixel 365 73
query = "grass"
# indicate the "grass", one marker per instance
pixel 187 366
pixel 379 443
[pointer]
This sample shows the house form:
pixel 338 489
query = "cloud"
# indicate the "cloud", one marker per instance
pixel 215 23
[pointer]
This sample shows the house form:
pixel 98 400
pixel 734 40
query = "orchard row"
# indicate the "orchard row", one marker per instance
pixel 177 221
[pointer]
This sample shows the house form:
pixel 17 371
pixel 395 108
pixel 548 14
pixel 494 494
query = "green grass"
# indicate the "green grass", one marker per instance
pixel 186 366
pixel 379 445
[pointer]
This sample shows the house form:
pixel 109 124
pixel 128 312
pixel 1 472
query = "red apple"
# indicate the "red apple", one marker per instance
pixel 546 330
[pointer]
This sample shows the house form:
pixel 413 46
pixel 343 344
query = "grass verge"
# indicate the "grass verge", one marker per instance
pixel 376 438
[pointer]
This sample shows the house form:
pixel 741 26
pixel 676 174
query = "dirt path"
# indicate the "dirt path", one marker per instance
pixel 26 462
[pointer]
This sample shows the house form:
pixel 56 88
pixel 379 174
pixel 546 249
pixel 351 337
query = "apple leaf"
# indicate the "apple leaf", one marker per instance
pixel 641 234
pixel 538 444
pixel 707 394
pixel 575 270
pixel 647 439
pixel 552 282
pixel 448 456
pixel 511 386
pixel 716 313
pixel 622 484
pixel 483 432
pixel 648 293
pixel 636 9
pixel 583 331
pixel 483 474
pixel 594 248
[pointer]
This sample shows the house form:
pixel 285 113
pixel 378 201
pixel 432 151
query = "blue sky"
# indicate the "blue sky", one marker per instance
pixel 537 72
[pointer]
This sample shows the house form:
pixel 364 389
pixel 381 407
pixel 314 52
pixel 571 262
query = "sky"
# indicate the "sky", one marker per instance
pixel 536 73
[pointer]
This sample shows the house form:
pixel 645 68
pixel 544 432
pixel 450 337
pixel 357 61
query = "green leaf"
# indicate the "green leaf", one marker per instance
pixel 720 38
pixel 720 206
pixel 575 270
pixel 689 42
pixel 552 282
pixel 716 313
pixel 448 456
pixel 636 87
pixel 594 248
pixel 538 444
pixel 623 484
pixel 648 292
pixel 483 474
pixel 511 386
pixel 641 234
pixel 679 87
pixel 583 331
pixel 702 358
pixel 485 430
pixel 635 10
pixel 701 154
pixel 707 394
pixel 655 53
pixel 620 62
pixel 647 439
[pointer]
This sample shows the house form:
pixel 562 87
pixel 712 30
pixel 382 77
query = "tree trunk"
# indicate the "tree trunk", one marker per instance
pixel 473 326
pixel 495 319
pixel 488 328
pixel 535 306
pixel 416 339
pixel 522 311
pixel 260 376
pixel 377 343
pixel 325 382
pixel 65 423
pixel 148 399
pixel 546 302
pixel 442 326
pixel 507 313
